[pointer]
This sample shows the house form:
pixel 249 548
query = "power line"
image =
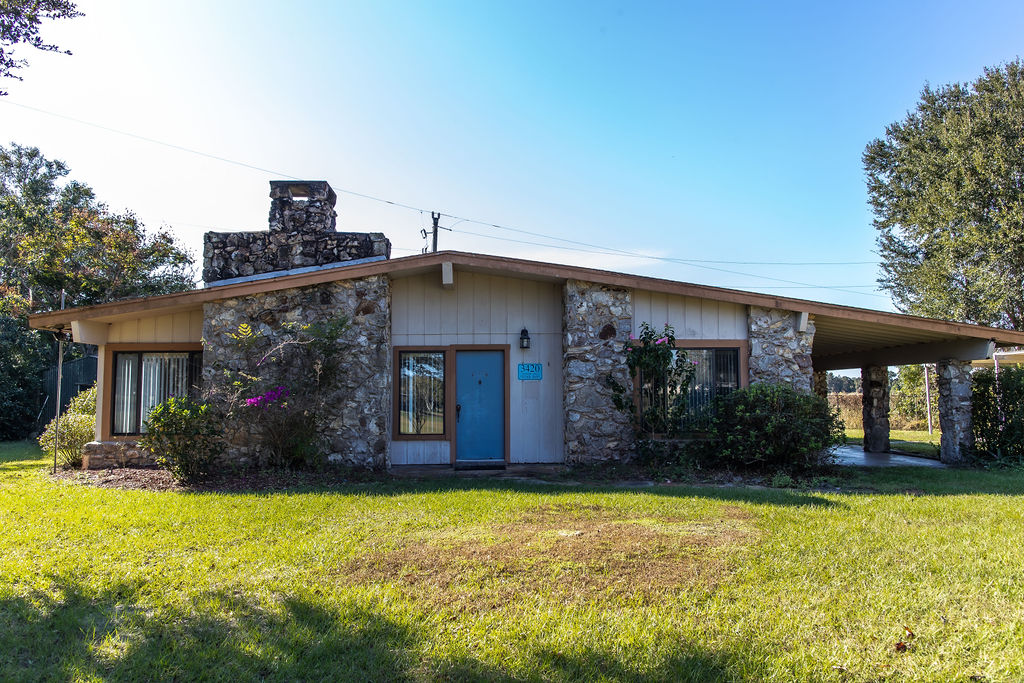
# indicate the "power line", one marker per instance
pixel 619 252
pixel 698 263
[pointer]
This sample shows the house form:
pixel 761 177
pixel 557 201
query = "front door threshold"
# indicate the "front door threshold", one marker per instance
pixel 479 464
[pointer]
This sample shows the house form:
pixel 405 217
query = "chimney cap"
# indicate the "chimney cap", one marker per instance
pixel 319 190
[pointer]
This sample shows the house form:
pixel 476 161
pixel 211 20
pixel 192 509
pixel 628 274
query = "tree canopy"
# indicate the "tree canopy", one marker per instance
pixel 20 21
pixel 947 188
pixel 55 236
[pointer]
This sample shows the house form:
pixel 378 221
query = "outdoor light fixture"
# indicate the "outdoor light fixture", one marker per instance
pixel 524 339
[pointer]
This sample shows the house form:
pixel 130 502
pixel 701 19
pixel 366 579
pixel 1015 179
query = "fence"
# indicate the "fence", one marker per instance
pixel 78 374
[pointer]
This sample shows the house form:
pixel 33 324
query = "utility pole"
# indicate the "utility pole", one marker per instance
pixel 436 215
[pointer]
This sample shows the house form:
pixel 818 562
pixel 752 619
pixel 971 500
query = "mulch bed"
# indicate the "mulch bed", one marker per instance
pixel 154 479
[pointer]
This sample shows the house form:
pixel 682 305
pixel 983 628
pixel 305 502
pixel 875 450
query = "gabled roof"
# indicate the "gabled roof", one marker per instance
pixel 844 333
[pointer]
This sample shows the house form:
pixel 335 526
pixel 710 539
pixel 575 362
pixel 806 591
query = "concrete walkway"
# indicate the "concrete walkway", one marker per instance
pixel 855 456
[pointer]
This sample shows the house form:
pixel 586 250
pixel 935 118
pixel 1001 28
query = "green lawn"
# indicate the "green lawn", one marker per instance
pixel 496 580
pixel 916 442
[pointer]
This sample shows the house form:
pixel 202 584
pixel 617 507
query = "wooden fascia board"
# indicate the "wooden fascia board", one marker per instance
pixel 513 266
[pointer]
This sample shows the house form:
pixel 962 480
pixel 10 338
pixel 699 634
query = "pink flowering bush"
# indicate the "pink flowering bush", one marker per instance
pixel 268 397
pixel 662 375
pixel 278 400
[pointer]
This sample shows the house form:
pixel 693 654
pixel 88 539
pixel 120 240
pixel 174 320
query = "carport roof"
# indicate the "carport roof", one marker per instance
pixel 845 336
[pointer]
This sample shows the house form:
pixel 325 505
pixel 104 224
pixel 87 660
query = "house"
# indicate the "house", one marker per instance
pixel 470 358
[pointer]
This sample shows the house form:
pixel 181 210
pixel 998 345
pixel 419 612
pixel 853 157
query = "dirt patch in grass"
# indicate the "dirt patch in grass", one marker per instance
pixel 576 555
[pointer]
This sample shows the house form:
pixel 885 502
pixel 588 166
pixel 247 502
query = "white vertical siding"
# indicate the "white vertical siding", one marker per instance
pixel 691 318
pixel 489 309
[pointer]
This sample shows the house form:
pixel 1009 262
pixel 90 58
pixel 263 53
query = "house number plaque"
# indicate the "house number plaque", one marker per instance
pixel 530 371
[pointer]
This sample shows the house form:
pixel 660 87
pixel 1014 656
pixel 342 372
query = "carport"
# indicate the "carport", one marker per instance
pixel 846 339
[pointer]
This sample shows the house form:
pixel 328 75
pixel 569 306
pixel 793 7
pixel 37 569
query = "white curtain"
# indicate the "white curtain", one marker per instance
pixel 125 403
pixel 163 375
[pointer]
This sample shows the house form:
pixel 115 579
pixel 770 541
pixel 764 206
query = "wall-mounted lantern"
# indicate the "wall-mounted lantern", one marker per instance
pixel 524 339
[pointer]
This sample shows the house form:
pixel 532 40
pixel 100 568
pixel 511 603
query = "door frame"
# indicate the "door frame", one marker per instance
pixel 450 431
pixel 450 408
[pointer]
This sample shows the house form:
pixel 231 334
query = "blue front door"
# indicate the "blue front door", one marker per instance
pixel 479 405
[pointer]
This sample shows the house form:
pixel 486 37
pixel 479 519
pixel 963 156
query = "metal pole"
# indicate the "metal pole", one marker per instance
pixel 436 216
pixel 60 380
pixel 928 398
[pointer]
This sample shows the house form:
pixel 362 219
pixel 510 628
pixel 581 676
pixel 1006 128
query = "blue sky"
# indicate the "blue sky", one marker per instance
pixel 710 132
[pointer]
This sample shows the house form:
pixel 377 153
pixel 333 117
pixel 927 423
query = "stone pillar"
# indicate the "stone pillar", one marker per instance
pixel 874 381
pixel 779 350
pixel 597 321
pixel 821 383
pixel 954 379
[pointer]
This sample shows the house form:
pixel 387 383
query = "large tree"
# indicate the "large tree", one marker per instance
pixel 947 188
pixel 56 237
pixel 20 21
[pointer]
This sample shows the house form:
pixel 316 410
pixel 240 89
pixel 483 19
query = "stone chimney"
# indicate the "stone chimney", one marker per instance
pixel 302 234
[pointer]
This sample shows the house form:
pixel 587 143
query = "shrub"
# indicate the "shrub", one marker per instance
pixel 771 427
pixel 662 375
pixel 286 390
pixel 997 403
pixel 77 428
pixel 184 437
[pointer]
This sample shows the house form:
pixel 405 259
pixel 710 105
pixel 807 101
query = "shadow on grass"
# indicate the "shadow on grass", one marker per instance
pixel 398 487
pixel 71 632
pixel 845 480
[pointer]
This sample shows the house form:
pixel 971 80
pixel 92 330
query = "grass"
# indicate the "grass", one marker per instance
pixel 916 442
pixel 499 580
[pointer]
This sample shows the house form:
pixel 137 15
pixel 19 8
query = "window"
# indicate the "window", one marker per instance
pixel 717 373
pixel 421 393
pixel 142 380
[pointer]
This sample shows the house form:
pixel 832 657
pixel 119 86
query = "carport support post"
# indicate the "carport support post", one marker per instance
pixel 821 383
pixel 954 379
pixel 874 381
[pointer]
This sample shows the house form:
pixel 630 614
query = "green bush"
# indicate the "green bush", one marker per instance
pixel 771 427
pixel 185 437
pixel 997 404
pixel 77 428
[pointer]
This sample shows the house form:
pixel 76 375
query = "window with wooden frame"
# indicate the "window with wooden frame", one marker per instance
pixel 420 406
pixel 718 371
pixel 144 379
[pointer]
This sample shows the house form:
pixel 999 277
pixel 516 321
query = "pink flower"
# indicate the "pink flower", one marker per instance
pixel 694 362
pixel 661 341
pixel 631 336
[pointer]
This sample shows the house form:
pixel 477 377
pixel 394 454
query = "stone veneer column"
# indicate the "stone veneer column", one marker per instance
pixel 359 406
pixel 779 352
pixel 954 379
pixel 821 383
pixel 874 381
pixel 598 321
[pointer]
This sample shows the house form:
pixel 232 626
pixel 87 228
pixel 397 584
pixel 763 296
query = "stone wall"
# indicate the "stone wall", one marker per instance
pixel 874 382
pixel 954 380
pixel 302 233
pixel 597 322
pixel 778 351
pixel 359 406
pixel 101 455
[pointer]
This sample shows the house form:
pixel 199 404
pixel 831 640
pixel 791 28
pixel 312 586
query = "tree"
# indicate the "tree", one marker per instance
pixel 55 236
pixel 947 189
pixel 19 24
